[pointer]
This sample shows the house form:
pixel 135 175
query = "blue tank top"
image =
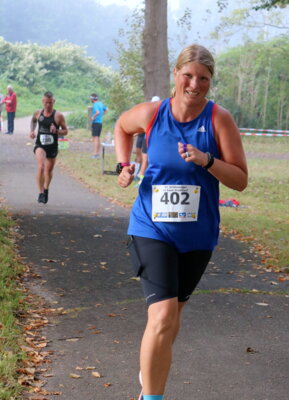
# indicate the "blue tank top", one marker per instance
pixel 166 167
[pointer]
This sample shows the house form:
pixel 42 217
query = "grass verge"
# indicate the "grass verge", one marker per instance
pixel 11 298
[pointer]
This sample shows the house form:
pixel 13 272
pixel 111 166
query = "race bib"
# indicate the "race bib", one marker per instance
pixel 46 139
pixel 175 203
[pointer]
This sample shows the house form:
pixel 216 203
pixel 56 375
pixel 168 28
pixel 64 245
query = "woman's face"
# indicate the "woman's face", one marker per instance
pixel 192 83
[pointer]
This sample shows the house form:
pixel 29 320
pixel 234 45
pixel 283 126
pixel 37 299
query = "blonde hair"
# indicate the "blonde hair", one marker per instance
pixel 195 53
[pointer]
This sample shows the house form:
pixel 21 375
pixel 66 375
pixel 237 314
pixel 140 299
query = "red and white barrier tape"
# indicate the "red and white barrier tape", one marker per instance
pixel 263 134
pixel 273 132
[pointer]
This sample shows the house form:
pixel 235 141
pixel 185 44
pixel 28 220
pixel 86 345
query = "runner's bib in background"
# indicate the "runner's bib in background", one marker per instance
pixel 175 203
pixel 46 139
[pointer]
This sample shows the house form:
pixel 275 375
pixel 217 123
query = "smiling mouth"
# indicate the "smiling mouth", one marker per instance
pixel 192 94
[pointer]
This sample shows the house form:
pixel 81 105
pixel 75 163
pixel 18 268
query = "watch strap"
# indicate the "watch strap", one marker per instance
pixel 211 160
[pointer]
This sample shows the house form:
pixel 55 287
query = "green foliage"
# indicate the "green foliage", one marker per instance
pixel 252 82
pixel 268 4
pixel 61 64
pixel 77 119
pixel 62 68
pixel 128 88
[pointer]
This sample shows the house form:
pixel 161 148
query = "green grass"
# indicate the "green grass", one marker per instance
pixel 89 172
pixel 262 220
pixel 10 298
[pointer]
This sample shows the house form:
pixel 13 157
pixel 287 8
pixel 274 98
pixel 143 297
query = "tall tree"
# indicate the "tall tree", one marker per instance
pixel 155 50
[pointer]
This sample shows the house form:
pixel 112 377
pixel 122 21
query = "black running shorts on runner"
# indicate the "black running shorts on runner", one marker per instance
pixel 96 129
pixel 51 152
pixel 165 273
pixel 139 140
pixel 144 148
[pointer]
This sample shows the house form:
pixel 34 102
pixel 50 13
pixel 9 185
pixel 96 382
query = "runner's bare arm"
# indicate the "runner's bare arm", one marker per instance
pixel 231 169
pixel 59 118
pixel 129 123
pixel 33 124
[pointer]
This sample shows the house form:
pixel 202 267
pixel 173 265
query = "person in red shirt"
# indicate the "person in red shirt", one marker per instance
pixel 10 101
pixel 1 120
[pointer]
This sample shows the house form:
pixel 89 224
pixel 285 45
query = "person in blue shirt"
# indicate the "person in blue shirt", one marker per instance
pixel 97 112
pixel 193 144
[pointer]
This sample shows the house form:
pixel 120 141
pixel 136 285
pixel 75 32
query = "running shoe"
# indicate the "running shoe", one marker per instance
pixel 45 196
pixel 96 156
pixel 41 198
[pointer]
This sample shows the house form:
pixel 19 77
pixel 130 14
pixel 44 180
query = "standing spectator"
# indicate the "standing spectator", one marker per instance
pixel 1 105
pixel 11 103
pixel 98 110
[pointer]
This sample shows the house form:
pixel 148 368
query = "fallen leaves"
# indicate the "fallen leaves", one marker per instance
pixel 251 350
pixel 96 375
pixel 32 320
pixel 74 376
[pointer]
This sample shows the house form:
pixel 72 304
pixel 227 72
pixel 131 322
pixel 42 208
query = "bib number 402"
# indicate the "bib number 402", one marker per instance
pixel 175 198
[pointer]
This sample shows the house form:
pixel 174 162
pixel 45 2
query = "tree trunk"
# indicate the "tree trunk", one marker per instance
pixel 155 48
pixel 266 94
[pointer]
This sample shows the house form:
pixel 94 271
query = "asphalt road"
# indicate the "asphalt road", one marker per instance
pixel 233 344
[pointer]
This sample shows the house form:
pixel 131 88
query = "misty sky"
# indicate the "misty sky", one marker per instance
pixel 173 4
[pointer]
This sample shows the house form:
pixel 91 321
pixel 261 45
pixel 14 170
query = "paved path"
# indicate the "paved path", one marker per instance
pixel 232 345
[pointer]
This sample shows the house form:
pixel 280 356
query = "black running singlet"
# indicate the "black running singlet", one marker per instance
pixel 45 138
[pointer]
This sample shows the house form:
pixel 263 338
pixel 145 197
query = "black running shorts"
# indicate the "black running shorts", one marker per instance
pixel 96 128
pixel 139 140
pixel 165 273
pixel 144 148
pixel 51 151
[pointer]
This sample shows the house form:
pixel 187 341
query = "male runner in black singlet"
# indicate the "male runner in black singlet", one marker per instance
pixel 51 123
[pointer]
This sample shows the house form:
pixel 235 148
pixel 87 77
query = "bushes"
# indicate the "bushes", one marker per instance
pixel 77 119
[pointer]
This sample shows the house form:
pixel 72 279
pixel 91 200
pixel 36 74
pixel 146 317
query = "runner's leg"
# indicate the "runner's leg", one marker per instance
pixel 156 348
pixel 96 145
pixel 40 158
pixel 48 171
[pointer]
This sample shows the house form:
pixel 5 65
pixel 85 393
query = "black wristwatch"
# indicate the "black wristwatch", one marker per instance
pixel 119 167
pixel 211 160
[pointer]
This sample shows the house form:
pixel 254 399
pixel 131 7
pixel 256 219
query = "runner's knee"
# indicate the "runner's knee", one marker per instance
pixel 163 317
